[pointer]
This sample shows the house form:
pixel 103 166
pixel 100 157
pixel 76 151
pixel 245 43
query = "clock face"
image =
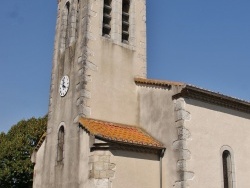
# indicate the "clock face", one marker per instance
pixel 64 86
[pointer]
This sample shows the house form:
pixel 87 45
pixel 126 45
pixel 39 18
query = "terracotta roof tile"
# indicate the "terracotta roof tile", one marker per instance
pixel 119 133
pixel 157 82
pixel 40 142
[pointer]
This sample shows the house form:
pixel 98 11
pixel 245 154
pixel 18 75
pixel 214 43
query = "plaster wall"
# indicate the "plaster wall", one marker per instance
pixel 64 111
pixel 37 179
pixel 112 64
pixel 157 118
pixel 211 128
pixel 101 72
pixel 140 170
pixel 83 173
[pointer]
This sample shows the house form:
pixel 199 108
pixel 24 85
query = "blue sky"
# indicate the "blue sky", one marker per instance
pixel 204 43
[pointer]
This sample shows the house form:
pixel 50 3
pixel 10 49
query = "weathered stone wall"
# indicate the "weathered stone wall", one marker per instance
pixel 112 65
pixel 157 116
pixel 101 72
pixel 69 59
pixel 181 144
pixel 101 170
pixel 37 158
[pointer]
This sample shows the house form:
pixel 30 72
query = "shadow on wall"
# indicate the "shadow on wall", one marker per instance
pixel 136 155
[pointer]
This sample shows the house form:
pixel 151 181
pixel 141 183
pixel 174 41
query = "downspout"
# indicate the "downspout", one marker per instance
pixel 161 156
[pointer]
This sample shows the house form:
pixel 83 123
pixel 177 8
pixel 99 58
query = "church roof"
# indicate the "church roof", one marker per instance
pixel 40 142
pixel 201 94
pixel 120 133
pixel 194 92
pixel 158 82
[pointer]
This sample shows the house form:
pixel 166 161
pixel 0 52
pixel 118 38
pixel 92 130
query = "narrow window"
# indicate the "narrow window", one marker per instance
pixel 227 169
pixel 67 24
pixel 60 144
pixel 125 20
pixel 64 30
pixel 106 26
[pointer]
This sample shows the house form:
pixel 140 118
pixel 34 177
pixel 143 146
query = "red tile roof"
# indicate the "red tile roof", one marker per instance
pixel 40 142
pixel 119 133
pixel 157 82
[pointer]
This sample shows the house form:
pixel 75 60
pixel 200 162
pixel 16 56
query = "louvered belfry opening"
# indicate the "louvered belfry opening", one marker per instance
pixel 67 24
pixel 125 20
pixel 106 28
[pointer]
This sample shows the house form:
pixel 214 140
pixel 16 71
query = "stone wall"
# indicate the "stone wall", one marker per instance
pixel 157 117
pixel 101 170
pixel 180 145
pixel 111 65
pixel 101 72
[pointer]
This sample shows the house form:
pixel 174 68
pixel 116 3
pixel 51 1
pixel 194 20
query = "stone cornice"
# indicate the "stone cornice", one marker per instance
pixel 207 96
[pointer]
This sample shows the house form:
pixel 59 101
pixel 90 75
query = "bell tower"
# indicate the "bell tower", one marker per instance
pixel 100 46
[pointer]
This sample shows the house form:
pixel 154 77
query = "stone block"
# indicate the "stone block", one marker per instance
pixel 81 101
pixel 103 174
pixel 180 123
pixel 94 174
pixel 105 166
pixel 93 158
pixel 91 66
pixel 181 184
pixel 182 115
pixel 87 78
pixel 105 158
pixel 86 110
pixel 179 144
pixel 185 154
pixel 101 183
pixel 112 166
pixel 183 133
pixel 85 93
pixel 80 59
pixel 79 86
pixel 180 104
pixel 90 166
pixel 76 119
pixel 98 165
pixel 110 173
pixel 186 175
pixel 80 72
pixel 181 165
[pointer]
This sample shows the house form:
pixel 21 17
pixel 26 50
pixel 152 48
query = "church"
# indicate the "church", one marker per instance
pixel 111 127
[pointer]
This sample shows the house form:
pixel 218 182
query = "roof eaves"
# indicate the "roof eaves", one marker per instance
pixel 126 142
pixel 208 96
pixel 40 142
pixel 154 82
pixel 120 140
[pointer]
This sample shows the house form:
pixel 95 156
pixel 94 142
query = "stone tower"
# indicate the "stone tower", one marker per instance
pixel 100 46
